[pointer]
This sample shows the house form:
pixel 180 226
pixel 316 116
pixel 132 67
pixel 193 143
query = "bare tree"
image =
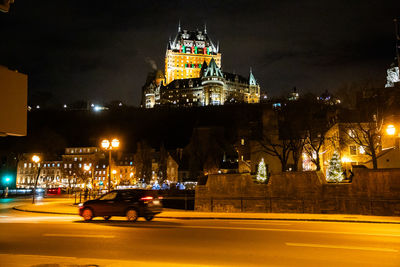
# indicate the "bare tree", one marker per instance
pixel 366 132
pixel 366 135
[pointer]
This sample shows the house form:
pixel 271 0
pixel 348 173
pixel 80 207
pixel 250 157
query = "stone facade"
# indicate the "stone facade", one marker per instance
pixel 371 192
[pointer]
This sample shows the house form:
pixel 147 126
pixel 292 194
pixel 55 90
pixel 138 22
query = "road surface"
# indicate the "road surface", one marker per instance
pixel 32 239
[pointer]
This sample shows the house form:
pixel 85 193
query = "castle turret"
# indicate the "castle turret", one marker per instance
pixel 254 89
pixel 213 82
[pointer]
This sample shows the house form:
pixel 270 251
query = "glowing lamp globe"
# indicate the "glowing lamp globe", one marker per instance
pixel 115 143
pixel 105 144
pixel 390 129
pixel 35 158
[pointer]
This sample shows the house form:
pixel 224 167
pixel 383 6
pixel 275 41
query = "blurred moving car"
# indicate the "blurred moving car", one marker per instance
pixel 132 203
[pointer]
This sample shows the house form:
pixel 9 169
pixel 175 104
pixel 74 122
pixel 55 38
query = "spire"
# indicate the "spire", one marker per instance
pixel 169 46
pixel 252 80
pixel 179 26
pixel 205 28
pixel 213 70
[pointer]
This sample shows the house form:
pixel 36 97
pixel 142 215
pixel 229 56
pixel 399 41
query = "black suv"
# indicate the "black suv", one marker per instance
pixel 132 203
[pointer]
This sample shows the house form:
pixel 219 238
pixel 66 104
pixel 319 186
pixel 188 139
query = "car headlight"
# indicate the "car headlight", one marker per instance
pixel 80 205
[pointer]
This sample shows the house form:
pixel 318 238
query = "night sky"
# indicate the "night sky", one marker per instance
pixel 102 50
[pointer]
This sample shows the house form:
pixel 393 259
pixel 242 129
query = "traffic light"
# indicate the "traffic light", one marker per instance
pixel 7 179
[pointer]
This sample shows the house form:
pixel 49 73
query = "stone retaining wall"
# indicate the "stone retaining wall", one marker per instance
pixel 371 192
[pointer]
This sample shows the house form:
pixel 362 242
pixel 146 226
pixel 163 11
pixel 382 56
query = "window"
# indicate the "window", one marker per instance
pixel 353 150
pixel 109 196
pixel 351 133
pixel 242 141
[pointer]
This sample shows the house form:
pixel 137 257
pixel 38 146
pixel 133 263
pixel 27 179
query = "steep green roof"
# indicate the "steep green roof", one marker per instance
pixel 213 70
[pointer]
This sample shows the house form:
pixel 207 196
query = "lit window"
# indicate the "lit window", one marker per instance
pixel 353 150
pixel 25 165
pixel 361 150
pixel 242 142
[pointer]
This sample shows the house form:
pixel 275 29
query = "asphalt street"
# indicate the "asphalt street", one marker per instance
pixel 32 239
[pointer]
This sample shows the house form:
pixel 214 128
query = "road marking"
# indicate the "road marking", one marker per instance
pixel 261 223
pixel 84 236
pixel 288 230
pixel 340 247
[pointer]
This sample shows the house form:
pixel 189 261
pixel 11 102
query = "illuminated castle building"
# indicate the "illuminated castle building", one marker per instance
pixel 193 76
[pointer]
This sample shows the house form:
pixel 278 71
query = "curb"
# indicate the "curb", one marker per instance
pixel 231 218
pixel 46 212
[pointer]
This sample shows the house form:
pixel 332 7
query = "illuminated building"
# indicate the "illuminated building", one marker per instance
pixel 193 76
pixel 186 54
pixel 50 173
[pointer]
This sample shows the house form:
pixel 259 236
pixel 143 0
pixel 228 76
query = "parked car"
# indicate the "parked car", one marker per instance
pixel 54 191
pixel 132 203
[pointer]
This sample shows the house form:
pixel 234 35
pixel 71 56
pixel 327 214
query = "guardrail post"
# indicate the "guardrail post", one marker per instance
pixel 211 205
pixel 241 204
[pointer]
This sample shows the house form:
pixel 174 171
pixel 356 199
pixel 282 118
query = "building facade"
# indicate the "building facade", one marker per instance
pixel 49 173
pixel 193 76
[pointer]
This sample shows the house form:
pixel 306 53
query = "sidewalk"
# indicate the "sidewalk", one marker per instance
pixel 66 207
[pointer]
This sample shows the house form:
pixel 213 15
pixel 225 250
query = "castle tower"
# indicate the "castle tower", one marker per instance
pixel 254 89
pixel 213 83
pixel 186 53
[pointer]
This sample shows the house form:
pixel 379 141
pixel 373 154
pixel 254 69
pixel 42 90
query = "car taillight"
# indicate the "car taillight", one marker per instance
pixel 146 198
pixel 160 197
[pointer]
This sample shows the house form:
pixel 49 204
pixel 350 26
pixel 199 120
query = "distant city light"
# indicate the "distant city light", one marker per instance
pixel 65 106
pixel 120 104
pixel 97 108
pixel 37 106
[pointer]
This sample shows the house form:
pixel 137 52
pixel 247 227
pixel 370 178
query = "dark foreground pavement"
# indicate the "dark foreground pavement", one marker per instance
pixel 35 239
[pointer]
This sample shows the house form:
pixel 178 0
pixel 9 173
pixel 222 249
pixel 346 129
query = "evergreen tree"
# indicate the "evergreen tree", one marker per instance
pixel 262 172
pixel 335 172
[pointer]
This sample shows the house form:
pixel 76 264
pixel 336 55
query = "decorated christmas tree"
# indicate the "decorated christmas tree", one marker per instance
pixel 335 172
pixel 262 172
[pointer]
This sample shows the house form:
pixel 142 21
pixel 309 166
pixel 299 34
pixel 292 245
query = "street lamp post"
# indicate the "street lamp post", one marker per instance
pixel 90 168
pixel 107 145
pixel 36 159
